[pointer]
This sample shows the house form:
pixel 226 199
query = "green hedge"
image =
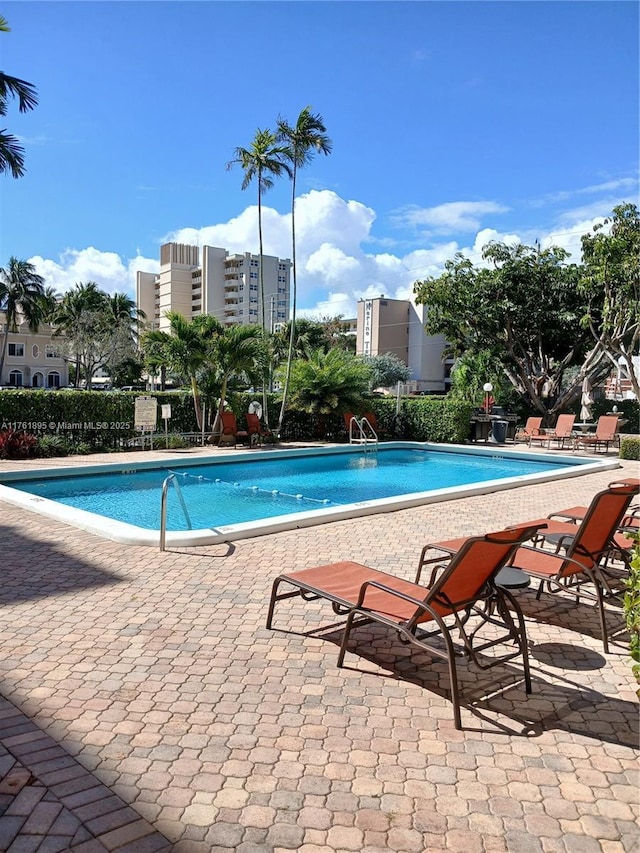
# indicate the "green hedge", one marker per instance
pixel 99 419
pixel 105 420
pixel 630 448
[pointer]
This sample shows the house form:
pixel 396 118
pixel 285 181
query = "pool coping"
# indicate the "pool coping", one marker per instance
pixel 130 534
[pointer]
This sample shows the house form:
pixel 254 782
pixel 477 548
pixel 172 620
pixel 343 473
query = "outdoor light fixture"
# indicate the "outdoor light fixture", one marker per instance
pixel 487 388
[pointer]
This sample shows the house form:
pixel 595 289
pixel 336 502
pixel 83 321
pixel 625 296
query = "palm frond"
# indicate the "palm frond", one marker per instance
pixel 14 87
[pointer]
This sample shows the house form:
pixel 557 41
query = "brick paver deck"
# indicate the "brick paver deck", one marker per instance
pixel 144 706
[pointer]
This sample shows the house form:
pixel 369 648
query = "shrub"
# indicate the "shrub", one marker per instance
pixel 173 441
pixel 632 608
pixel 630 447
pixel 16 444
pixel 52 445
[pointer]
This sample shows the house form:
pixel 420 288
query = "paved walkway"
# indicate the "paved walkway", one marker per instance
pixel 144 706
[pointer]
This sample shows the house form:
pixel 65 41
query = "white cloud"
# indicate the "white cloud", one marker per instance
pixel 450 217
pixel 107 269
pixel 334 270
pixel 626 183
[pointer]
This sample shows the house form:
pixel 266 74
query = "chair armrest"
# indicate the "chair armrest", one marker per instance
pixel 391 591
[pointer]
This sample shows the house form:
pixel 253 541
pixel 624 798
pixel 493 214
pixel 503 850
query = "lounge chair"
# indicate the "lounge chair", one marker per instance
pixel 256 430
pixel 582 551
pixel 230 428
pixel 348 418
pixel 563 431
pixel 606 433
pixel 466 588
pixel 574 514
pixel 373 421
pixel 532 427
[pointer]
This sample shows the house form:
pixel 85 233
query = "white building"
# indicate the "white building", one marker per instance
pixel 395 326
pixel 33 360
pixel 209 280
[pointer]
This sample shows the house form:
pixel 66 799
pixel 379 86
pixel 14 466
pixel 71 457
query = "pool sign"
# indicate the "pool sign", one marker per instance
pixel 146 413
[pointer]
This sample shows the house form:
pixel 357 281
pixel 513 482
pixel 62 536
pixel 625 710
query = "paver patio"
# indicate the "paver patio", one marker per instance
pixel 144 706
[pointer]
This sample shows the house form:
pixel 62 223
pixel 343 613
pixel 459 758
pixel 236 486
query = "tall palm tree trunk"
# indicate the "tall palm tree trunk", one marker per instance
pixel 292 329
pixel 265 406
pixel 5 341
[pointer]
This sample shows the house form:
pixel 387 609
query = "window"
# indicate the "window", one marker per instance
pixel 53 379
pixel 16 350
pixel 253 287
pixel 15 378
pixel 254 275
pixel 37 381
pixel 35 350
pixel 51 351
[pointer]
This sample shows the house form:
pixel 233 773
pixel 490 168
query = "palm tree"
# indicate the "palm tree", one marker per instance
pixel 264 160
pixel 79 311
pixel 184 350
pixel 329 383
pixel 233 353
pixel 303 141
pixel 49 302
pixel 11 152
pixel 21 292
pixel 122 311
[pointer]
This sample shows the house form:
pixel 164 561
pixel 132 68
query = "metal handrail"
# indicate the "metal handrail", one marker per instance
pixel 163 508
pixel 374 435
pixel 362 437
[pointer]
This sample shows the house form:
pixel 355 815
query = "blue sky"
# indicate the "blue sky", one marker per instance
pixel 452 123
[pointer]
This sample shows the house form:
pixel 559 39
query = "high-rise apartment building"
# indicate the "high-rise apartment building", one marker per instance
pixel 209 280
pixel 395 326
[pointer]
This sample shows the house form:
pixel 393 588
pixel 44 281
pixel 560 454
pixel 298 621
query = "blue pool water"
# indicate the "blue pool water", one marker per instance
pixel 228 493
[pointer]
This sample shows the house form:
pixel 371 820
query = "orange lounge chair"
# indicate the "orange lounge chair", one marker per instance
pixel 630 521
pixel 563 431
pixel 348 417
pixel 606 433
pixel 256 431
pixel 230 427
pixel 532 427
pixel 373 421
pixel 466 588
pixel 585 547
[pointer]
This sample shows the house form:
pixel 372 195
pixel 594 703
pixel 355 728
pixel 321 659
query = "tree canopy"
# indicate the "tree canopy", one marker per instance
pixel 387 370
pixel 525 307
pixel 611 285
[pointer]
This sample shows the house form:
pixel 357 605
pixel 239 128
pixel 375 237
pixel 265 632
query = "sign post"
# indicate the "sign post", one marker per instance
pixel 166 414
pixel 146 416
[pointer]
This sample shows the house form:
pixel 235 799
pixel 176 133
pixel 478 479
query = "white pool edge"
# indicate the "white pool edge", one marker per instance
pixel 129 534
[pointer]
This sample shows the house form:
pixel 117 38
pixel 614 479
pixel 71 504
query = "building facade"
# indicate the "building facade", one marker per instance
pixel 33 360
pixel 210 280
pixel 395 326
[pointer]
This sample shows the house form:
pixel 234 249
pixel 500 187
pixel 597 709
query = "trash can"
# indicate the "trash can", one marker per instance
pixel 499 430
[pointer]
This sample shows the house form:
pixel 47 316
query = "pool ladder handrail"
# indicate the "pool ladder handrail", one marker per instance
pixel 362 432
pixel 163 507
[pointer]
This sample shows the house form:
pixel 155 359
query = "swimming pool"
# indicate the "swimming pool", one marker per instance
pixel 259 492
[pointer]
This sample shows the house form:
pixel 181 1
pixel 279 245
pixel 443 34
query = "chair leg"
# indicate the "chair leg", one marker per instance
pixel 345 637
pixel 272 602
pixel 603 618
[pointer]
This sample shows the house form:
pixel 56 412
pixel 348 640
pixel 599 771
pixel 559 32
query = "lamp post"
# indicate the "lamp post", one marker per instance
pixel 487 388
